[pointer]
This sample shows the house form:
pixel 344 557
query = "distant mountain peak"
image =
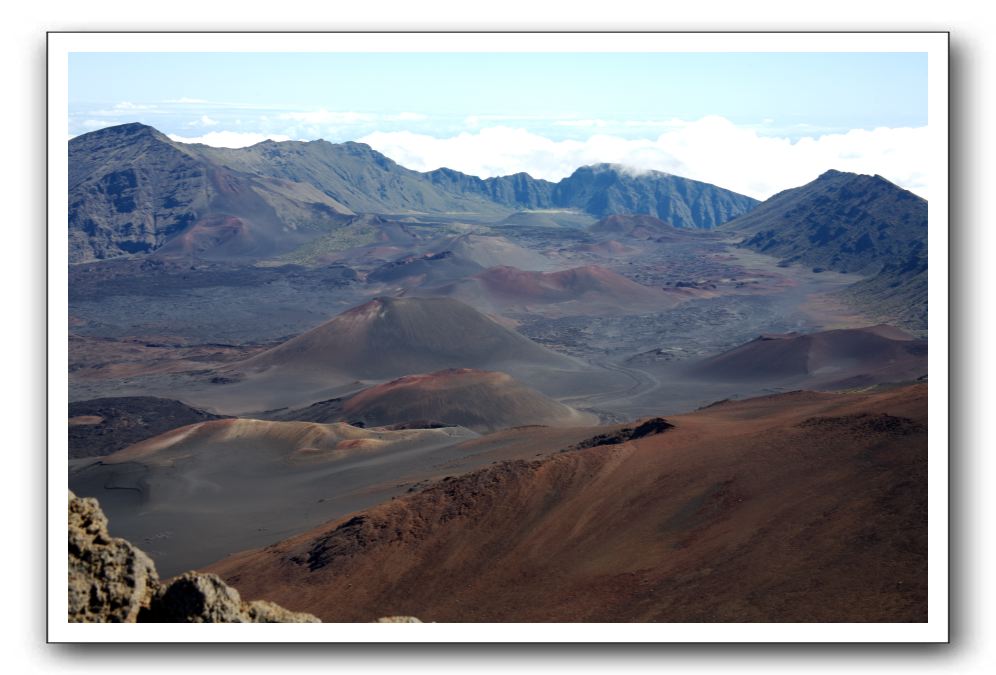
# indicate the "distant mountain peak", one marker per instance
pixel 833 173
pixel 623 169
pixel 131 130
pixel 134 191
pixel 855 223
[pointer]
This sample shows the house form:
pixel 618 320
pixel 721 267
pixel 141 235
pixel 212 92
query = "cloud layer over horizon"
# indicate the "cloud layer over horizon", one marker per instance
pixel 711 149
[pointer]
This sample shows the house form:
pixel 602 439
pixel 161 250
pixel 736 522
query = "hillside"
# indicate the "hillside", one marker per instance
pixel 848 222
pixel 479 400
pixel 132 190
pixel 827 360
pixel 493 251
pixel 354 174
pixel 635 227
pixel 430 268
pixel 605 189
pixel 197 493
pixel 590 289
pixel 387 338
pixel 799 507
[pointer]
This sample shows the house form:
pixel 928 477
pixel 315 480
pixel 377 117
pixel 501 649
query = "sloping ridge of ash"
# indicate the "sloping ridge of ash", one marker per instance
pixel 743 512
pixel 833 359
pixel 480 400
pixel 391 337
pixel 197 493
pixel 657 425
pixel 588 289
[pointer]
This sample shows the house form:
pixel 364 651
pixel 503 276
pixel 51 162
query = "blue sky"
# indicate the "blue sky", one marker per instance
pixel 463 110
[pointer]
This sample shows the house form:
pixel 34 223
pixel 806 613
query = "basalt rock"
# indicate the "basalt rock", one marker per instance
pixel 204 598
pixel 112 581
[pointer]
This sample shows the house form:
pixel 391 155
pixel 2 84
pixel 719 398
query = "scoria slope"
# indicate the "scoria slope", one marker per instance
pixel 199 492
pixel 799 507
pixel 390 337
pixel 589 289
pixel 827 360
pixel 479 400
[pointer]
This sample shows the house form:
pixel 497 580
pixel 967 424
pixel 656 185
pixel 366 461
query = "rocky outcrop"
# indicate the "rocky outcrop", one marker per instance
pixel 204 598
pixel 111 581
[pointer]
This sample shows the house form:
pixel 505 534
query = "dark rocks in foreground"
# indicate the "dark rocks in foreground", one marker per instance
pixel 112 581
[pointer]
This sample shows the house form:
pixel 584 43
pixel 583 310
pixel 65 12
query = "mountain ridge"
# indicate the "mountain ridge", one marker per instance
pixel 855 223
pixel 133 190
pixel 605 189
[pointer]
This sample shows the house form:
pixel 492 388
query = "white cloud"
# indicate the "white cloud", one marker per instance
pixel 711 149
pixel 229 139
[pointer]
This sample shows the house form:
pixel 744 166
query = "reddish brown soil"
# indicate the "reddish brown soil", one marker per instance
pixel 797 507
pixel 833 359
pixel 477 399
pixel 392 337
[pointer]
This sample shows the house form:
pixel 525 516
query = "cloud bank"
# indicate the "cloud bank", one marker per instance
pixel 229 139
pixel 711 149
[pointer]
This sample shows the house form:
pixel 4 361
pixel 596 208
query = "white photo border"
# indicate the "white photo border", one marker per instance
pixel 934 44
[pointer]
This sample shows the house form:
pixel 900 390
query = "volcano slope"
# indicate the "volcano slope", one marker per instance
pixel 833 359
pixel 480 400
pixel 199 492
pixel 585 290
pixel 492 251
pixel 385 339
pixel 792 508
pixel 391 337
